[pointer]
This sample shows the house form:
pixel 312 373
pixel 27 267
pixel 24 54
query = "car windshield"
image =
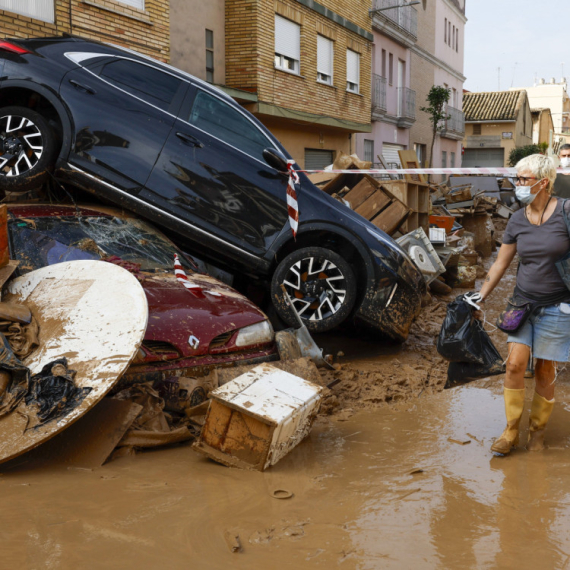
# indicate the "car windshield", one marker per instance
pixel 42 241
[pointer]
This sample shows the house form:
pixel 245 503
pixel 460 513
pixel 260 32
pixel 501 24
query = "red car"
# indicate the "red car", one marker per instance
pixel 187 333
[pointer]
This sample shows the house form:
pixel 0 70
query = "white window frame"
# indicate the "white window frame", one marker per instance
pixel 287 45
pixel 43 10
pixel 352 71
pixel 325 60
pixel 139 4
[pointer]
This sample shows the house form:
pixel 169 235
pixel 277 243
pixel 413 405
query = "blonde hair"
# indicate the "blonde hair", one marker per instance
pixel 540 166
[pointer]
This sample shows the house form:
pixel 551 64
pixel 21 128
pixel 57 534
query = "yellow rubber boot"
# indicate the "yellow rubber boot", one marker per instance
pixel 514 406
pixel 540 411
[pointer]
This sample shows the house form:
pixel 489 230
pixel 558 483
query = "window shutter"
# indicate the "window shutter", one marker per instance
pixel 134 3
pixel 324 55
pixel 37 9
pixel 352 66
pixel 287 38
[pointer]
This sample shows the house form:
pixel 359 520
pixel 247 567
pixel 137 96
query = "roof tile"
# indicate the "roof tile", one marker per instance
pixel 493 106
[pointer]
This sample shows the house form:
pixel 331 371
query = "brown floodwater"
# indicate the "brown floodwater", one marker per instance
pixel 383 489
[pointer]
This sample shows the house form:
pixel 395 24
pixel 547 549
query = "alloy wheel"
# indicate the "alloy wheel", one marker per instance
pixel 21 145
pixel 317 288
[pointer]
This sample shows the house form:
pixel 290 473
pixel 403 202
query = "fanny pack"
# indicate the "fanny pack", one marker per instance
pixel 516 313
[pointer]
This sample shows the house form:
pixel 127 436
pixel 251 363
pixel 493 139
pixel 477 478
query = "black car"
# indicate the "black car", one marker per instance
pixel 182 153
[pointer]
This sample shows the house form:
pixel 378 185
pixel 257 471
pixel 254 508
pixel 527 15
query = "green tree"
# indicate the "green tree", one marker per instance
pixel 521 151
pixel 437 99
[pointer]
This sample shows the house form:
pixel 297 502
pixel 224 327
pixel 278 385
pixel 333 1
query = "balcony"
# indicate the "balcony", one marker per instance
pixel 403 20
pixel 406 111
pixel 378 96
pixel 454 126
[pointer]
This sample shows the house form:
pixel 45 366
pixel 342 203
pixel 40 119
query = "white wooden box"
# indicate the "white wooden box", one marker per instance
pixel 257 418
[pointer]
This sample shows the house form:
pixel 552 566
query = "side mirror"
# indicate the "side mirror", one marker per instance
pixel 275 159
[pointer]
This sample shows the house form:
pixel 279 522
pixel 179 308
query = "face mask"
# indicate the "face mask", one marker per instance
pixel 524 195
pixel 565 162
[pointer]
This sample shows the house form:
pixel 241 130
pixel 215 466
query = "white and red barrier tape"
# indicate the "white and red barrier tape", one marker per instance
pixel 183 278
pixel 491 170
pixel 292 204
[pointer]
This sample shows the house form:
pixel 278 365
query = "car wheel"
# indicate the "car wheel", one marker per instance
pixel 320 284
pixel 27 149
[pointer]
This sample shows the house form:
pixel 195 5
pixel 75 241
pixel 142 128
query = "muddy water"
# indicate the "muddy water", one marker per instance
pixel 383 489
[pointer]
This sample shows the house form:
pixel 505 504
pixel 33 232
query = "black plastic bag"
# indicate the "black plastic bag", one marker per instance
pixel 463 341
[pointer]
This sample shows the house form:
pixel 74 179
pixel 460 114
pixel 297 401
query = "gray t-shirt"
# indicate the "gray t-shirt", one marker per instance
pixel 539 247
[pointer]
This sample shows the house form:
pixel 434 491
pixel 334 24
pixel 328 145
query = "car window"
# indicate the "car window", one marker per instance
pixel 218 119
pixel 46 241
pixel 148 83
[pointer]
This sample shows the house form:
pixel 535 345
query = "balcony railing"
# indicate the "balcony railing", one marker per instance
pixel 378 94
pixel 405 17
pixel 455 123
pixel 406 103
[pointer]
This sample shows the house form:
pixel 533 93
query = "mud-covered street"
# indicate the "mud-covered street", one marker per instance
pixel 396 473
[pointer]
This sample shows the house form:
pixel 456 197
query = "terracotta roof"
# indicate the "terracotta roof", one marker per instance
pixel 493 106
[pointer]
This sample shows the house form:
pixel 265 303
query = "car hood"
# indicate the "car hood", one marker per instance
pixel 176 314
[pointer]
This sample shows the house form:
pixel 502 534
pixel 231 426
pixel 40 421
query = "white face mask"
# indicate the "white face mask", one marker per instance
pixel 565 162
pixel 524 195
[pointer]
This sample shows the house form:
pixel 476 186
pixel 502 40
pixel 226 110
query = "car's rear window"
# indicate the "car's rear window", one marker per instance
pixel 38 242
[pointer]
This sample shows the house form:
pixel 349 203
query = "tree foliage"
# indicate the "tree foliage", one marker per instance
pixel 520 152
pixel 437 98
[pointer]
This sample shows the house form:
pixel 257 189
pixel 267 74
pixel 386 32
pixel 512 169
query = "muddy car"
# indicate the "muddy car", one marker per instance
pixel 180 152
pixel 187 334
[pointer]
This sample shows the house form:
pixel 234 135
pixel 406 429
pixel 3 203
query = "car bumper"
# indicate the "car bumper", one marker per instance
pixel 192 367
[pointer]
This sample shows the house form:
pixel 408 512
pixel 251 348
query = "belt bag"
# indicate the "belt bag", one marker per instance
pixel 563 264
pixel 516 313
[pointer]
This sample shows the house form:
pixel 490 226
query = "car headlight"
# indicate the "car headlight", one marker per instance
pixel 259 333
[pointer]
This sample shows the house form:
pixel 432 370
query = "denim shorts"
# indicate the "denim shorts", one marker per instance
pixel 547 332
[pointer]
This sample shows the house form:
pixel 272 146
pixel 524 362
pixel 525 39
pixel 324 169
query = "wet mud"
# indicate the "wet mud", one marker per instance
pixel 396 473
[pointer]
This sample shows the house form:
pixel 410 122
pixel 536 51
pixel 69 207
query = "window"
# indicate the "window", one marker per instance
pixel 421 153
pixel 454 97
pixel 445 31
pixel 38 9
pixel 476 129
pixel 325 58
pixel 210 56
pixel 287 45
pixel 352 71
pixel 444 159
pixel 452 163
pixel 317 159
pixel 384 63
pixel 448 33
pixel 368 150
pixel 134 3
pixel 147 83
pixel 390 69
pixel 453 38
pixel 218 119
pixel 457 41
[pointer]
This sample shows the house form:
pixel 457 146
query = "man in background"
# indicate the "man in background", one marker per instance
pixel 562 182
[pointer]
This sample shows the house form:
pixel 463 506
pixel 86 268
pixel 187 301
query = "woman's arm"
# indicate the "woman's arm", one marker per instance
pixel 504 257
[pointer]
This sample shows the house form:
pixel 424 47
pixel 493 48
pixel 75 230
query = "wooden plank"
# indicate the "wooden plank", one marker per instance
pixel 375 204
pixel 360 193
pixel 409 159
pixel 391 218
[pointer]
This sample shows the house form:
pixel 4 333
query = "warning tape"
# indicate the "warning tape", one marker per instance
pixel 492 171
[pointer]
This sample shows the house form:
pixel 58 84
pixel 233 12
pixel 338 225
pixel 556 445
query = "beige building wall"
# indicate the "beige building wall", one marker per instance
pixel 542 127
pixel 146 31
pixel 553 96
pixel 189 20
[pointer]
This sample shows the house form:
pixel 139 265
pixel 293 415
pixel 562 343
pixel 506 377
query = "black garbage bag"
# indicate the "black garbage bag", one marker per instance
pixel 20 375
pixel 463 341
pixel 53 392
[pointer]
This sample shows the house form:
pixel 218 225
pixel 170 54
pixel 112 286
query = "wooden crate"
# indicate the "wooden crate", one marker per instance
pixel 374 205
pixel 257 418
pixel 360 193
pixel 392 217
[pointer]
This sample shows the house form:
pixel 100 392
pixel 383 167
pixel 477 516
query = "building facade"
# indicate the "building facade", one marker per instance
pixel 303 68
pixel 496 123
pixel 437 59
pixel 142 25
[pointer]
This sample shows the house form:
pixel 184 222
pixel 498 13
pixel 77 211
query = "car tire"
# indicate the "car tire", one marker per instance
pixel 321 286
pixel 27 149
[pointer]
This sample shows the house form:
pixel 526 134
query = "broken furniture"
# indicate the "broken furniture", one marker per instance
pixel 416 195
pixel 97 328
pixel 256 419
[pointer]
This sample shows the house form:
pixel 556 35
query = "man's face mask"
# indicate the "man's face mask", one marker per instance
pixel 565 162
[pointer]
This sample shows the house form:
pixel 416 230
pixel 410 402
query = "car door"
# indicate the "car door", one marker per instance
pixel 122 112
pixel 211 175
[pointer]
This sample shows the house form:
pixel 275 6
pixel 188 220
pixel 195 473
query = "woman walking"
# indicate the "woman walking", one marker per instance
pixel 538 233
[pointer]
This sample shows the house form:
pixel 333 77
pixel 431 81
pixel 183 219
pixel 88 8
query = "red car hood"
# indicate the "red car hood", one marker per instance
pixel 176 314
